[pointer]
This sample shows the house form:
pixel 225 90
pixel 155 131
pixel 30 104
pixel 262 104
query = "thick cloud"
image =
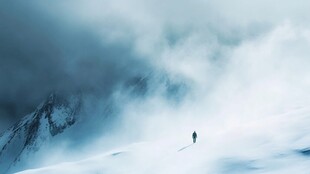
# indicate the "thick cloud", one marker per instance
pixel 246 61
pixel 41 53
pixel 82 45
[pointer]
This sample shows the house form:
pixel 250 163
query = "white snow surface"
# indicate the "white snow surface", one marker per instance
pixel 269 145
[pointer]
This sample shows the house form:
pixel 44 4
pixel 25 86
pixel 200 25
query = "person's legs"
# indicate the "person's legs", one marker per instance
pixel 194 140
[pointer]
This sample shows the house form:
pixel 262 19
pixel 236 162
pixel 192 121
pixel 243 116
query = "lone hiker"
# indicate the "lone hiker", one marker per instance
pixel 194 136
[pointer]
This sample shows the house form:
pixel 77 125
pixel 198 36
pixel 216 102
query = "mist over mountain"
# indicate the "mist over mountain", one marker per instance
pixel 41 53
pixel 81 78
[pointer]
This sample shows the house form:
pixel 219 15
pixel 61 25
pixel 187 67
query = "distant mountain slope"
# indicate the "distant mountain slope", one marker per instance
pixel 65 118
pixel 27 136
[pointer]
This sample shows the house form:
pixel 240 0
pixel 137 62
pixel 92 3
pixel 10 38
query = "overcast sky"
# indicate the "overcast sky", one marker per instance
pixel 41 53
pixel 72 46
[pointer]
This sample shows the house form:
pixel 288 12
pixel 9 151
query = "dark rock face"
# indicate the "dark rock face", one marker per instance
pixel 138 85
pixel 53 117
pixel 53 103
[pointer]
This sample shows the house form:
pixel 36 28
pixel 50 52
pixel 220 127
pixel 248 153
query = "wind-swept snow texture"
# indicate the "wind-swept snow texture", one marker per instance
pixel 279 147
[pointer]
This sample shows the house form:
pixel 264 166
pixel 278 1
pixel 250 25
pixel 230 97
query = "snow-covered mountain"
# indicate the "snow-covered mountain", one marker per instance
pixel 216 153
pixel 275 141
pixel 61 118
pixel 50 119
pixel 135 79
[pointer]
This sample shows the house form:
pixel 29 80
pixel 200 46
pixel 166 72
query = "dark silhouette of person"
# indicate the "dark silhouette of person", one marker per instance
pixel 194 136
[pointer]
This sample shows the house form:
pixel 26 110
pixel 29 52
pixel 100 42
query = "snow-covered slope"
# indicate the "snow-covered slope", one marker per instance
pixel 274 144
pixel 77 119
pixel 51 118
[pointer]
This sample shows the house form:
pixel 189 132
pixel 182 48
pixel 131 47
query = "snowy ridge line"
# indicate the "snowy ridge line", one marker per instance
pixel 34 130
